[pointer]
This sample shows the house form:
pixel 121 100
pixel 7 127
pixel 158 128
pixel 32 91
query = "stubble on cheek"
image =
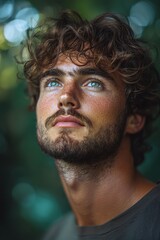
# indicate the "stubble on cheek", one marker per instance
pixel 41 132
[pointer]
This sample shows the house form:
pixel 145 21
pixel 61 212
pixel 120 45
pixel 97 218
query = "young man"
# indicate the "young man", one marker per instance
pixel 96 91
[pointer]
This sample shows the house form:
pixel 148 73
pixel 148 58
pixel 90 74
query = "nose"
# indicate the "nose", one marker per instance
pixel 68 99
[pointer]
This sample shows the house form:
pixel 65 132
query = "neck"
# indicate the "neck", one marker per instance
pixel 99 194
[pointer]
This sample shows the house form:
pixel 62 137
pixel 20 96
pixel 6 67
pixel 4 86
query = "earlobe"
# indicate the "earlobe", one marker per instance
pixel 135 123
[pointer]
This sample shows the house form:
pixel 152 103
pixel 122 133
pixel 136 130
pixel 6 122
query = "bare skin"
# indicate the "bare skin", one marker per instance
pixel 94 200
pixel 95 203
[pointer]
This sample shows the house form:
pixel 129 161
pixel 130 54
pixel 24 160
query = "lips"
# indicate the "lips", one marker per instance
pixel 67 121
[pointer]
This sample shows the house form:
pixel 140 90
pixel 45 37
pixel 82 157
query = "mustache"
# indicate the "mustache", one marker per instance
pixel 71 112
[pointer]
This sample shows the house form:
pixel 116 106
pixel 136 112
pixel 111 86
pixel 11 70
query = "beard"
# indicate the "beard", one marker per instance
pixel 96 148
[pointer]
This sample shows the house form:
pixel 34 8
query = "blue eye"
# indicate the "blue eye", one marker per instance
pixel 95 84
pixel 53 83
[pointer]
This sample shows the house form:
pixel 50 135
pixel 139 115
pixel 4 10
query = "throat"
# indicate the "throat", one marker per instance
pixel 97 200
pixel 83 189
pixel 74 173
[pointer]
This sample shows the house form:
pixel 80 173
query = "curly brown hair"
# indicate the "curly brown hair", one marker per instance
pixel 109 42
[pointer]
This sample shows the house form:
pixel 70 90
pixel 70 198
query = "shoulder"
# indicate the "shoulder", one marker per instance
pixel 62 228
pixel 147 210
pixel 151 201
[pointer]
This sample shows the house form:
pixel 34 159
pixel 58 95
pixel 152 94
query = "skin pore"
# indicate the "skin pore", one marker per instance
pixel 77 104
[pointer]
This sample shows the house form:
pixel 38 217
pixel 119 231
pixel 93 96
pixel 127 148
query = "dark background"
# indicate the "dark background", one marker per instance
pixel 31 195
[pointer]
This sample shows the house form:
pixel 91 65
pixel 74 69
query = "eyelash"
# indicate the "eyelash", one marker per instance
pixel 50 81
pixel 93 82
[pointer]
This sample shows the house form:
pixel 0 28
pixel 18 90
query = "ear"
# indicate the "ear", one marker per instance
pixel 135 123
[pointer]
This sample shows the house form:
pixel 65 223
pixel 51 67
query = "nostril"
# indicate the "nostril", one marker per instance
pixel 60 104
pixel 67 104
pixel 70 104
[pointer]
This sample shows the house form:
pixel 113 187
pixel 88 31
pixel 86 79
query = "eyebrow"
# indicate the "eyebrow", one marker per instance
pixel 81 71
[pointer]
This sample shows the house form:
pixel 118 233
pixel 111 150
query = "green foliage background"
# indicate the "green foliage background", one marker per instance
pixel 31 194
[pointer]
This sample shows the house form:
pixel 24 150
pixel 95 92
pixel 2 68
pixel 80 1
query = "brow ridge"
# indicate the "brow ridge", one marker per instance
pixel 82 71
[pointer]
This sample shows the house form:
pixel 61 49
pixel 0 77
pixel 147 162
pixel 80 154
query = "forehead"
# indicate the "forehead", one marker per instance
pixel 70 65
pixel 73 67
pixel 65 62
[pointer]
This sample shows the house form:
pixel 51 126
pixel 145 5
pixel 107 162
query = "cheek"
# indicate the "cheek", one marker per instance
pixel 100 105
pixel 104 109
pixel 45 107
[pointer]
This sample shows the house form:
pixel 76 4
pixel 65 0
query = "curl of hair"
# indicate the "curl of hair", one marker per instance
pixel 109 43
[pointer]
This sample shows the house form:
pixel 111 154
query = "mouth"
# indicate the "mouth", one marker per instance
pixel 67 121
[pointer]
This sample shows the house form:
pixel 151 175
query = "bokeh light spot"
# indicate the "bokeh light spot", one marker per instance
pixel 29 15
pixel 14 31
pixel 42 209
pixel 142 13
pixel 6 10
pixel 24 194
pixel 138 30
pixel 36 206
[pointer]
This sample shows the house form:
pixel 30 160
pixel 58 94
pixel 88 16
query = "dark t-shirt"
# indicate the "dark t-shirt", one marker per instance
pixel 140 222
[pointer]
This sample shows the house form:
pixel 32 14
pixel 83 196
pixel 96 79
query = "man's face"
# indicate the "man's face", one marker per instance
pixel 81 113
